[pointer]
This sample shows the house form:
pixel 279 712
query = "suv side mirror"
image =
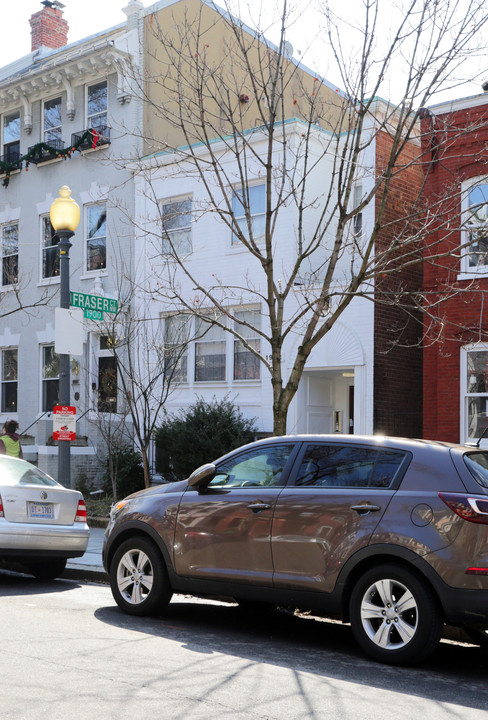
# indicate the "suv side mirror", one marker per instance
pixel 202 475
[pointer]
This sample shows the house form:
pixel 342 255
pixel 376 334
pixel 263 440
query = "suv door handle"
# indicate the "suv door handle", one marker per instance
pixel 365 509
pixel 258 507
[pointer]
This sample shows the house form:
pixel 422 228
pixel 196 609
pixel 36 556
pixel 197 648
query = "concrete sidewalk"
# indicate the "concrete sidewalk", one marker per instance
pixel 89 566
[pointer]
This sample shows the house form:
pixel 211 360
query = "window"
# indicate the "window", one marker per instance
pixel 11 137
pixel 246 364
pixel 50 249
pixel 176 222
pixel 250 201
pixel 176 334
pixel 476 223
pixel 9 380
pixel 10 254
pixel 256 468
pixel 97 105
pixel 358 219
pixel 107 376
pixel 50 378
pixel 209 351
pixel 477 464
pixel 348 466
pixel 96 244
pixel 475 391
pixel 52 120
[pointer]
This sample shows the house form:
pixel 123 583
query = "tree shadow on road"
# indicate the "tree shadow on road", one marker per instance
pixel 311 645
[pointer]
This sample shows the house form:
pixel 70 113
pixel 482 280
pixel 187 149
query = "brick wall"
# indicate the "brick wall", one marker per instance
pixel 397 332
pixel 456 149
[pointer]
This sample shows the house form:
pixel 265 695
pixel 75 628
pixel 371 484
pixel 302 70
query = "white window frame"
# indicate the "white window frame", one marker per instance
pixel 180 374
pixel 467 186
pixel 207 339
pixel 88 240
pixel 5 256
pixel 48 278
pixel 184 230
pixel 89 123
pixel 464 395
pixel 106 353
pixel 5 382
pixel 45 379
pixel 241 217
pixel 5 144
pixel 251 338
pixel 55 127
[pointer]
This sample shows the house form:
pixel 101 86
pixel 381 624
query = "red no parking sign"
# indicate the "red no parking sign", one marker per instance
pixel 64 422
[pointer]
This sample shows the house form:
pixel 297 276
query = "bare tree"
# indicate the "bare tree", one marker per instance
pixel 12 292
pixel 232 110
pixel 133 389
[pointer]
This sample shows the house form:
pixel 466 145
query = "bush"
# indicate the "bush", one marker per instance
pixel 199 435
pixel 129 473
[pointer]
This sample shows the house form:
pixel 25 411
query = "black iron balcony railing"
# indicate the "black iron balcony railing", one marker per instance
pixel 95 138
pixel 10 159
pixel 42 152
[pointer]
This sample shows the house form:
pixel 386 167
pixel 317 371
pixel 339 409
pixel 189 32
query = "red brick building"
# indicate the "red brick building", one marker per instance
pixel 455 358
pixel 397 332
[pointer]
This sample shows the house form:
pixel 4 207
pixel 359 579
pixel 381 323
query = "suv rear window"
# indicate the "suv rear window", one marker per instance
pixel 348 466
pixel 477 464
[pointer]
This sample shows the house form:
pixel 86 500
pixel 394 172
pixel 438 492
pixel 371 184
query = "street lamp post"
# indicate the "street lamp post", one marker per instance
pixel 65 216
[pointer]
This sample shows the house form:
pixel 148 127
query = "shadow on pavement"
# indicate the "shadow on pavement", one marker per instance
pixel 312 645
pixel 13 583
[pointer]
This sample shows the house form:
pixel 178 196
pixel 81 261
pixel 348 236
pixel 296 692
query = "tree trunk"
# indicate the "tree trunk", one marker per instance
pixel 145 465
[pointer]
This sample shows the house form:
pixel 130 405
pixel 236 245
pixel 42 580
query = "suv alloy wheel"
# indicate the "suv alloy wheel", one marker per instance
pixel 394 616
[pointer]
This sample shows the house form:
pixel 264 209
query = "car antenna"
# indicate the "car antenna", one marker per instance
pixel 476 443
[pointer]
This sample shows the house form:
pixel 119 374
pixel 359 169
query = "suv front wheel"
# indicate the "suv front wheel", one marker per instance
pixel 394 616
pixel 138 578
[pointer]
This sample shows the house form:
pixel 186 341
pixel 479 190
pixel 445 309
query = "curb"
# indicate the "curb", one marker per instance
pixel 97 522
pixel 85 572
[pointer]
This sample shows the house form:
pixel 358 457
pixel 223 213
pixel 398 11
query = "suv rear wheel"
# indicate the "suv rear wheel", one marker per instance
pixel 394 616
pixel 138 578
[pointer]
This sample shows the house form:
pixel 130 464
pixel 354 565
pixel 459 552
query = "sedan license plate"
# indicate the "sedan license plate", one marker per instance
pixel 41 510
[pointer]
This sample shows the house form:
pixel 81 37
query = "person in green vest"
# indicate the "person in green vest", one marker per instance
pixel 10 440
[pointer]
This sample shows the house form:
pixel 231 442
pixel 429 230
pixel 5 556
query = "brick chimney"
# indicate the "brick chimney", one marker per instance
pixel 48 27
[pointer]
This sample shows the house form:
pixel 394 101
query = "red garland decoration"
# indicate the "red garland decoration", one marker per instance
pixel 95 138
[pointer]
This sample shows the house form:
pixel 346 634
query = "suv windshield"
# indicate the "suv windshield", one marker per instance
pixel 477 464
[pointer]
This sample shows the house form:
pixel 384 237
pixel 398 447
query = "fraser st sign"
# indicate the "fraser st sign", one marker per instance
pixel 93 305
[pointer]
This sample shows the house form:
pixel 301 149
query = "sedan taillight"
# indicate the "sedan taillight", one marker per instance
pixel 1 507
pixel 81 512
pixel 470 508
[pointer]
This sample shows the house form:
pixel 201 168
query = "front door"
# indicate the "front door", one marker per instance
pixel 224 531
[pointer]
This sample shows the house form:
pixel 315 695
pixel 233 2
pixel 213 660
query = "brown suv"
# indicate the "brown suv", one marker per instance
pixel 389 534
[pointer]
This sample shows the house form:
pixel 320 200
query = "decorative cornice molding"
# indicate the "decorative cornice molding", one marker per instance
pixel 50 77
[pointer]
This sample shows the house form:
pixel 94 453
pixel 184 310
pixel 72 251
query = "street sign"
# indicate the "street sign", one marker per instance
pixel 64 422
pixel 68 331
pixel 93 305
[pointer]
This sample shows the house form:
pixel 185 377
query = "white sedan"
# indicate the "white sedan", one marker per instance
pixel 42 523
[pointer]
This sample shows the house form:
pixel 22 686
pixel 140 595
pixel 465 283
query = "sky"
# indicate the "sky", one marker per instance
pixel 84 17
pixel 87 17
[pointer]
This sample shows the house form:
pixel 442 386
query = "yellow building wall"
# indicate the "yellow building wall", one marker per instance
pixel 199 86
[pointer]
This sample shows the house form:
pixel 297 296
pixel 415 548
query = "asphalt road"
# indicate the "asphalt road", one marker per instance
pixel 67 652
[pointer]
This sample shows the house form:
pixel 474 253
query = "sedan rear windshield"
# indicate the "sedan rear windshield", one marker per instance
pixel 477 464
pixel 19 472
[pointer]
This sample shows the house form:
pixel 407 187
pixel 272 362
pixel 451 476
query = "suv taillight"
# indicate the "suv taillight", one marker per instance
pixel 81 512
pixel 1 507
pixel 469 507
